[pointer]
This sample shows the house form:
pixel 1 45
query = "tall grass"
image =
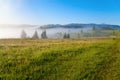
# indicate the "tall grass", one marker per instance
pixel 80 59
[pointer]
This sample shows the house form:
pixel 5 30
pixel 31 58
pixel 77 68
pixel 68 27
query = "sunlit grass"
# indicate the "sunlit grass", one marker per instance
pixel 79 59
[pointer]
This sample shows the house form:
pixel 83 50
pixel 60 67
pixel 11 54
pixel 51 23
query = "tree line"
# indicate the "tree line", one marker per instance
pixel 43 35
pixel 35 35
pixel 93 33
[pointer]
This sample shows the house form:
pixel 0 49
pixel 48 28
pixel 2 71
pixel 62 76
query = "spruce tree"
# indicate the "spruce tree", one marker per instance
pixel 44 35
pixel 35 35
pixel 23 34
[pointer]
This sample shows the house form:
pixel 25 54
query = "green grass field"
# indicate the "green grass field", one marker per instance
pixel 80 59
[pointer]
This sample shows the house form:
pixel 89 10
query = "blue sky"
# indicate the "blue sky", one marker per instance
pixel 59 11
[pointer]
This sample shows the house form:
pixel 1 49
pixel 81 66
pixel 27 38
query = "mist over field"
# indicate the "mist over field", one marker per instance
pixel 58 31
pixel 15 31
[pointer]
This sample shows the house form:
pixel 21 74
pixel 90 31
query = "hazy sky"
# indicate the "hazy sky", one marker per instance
pixel 59 11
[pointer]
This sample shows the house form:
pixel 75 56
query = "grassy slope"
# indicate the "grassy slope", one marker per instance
pixel 87 59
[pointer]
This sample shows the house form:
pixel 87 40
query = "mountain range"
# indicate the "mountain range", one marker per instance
pixel 72 25
pixel 77 25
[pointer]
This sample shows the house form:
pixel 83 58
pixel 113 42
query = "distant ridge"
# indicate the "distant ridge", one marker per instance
pixel 77 25
pixel 72 25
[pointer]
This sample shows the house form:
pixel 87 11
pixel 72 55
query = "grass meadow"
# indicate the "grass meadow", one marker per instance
pixel 53 59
